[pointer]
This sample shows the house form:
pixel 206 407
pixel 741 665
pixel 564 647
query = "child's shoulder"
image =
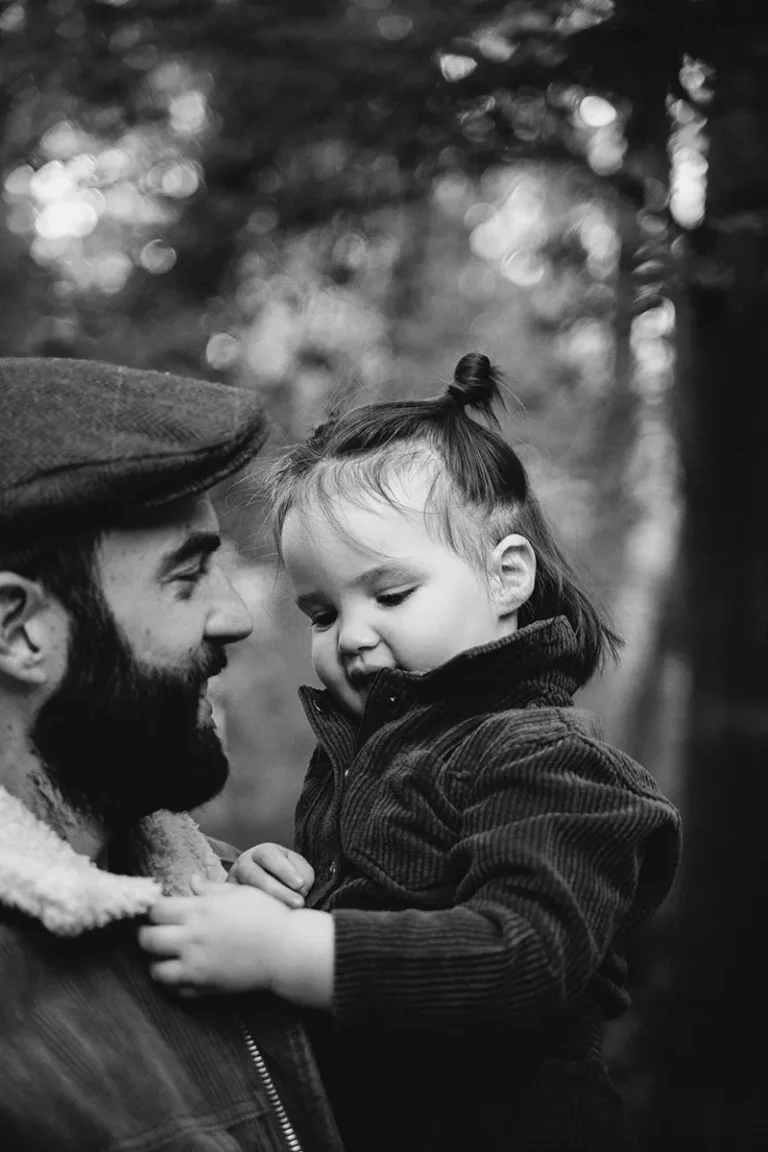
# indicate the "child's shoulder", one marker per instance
pixel 567 741
pixel 529 728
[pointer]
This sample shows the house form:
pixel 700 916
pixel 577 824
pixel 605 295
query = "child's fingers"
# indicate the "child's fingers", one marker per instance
pixel 278 862
pixel 162 940
pixel 253 876
pixel 282 863
pixel 170 910
pixel 303 868
pixel 201 887
pixel 169 972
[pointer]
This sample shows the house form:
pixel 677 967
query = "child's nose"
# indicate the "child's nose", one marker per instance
pixel 355 636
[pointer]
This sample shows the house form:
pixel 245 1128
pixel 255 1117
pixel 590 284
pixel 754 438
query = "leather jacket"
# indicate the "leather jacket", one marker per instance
pixel 93 1054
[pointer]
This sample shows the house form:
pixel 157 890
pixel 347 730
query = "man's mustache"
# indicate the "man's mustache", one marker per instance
pixel 211 666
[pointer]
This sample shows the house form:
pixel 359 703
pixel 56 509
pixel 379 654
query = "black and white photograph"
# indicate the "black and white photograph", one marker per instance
pixel 383 575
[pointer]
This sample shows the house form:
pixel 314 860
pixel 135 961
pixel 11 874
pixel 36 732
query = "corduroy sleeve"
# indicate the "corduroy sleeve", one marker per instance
pixel 561 847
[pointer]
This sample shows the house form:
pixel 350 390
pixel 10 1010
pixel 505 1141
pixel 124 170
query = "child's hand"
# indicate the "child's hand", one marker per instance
pixel 275 870
pixel 225 938
pixel 233 938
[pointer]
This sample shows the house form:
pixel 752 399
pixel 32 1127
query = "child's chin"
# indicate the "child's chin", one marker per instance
pixel 354 700
pixel 357 706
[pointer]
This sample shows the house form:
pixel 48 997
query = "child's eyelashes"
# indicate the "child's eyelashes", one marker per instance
pixel 322 620
pixel 392 599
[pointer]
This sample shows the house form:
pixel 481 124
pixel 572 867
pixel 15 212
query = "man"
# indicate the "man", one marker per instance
pixel 113 615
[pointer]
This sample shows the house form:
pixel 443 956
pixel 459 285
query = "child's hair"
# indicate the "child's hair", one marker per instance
pixel 476 472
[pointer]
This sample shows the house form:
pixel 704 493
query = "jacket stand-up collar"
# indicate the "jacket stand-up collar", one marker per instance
pixel 541 660
pixel 42 876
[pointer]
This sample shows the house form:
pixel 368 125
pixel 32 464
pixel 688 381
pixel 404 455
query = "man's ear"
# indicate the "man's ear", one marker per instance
pixel 513 571
pixel 24 629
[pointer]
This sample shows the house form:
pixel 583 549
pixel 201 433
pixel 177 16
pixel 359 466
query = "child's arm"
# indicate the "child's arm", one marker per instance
pixel 232 938
pixel 561 845
pixel 552 864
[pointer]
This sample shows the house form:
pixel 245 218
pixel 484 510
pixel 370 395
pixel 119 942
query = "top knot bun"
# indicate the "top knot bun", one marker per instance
pixel 475 382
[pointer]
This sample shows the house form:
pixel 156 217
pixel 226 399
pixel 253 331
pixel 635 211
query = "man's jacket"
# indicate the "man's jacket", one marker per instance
pixel 94 1055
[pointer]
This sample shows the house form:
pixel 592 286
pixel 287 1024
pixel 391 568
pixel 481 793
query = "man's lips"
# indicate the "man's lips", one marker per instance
pixel 215 670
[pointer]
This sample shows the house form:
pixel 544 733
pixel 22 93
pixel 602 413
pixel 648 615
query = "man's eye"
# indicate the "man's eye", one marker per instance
pixel 194 575
pixel 392 599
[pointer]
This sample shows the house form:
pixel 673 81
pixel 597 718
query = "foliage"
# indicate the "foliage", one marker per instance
pixel 164 141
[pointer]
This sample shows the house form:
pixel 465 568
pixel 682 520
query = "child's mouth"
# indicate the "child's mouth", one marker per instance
pixel 362 678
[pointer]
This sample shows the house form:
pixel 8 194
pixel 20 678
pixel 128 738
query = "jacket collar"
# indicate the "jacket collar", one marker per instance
pixel 42 876
pixel 543 656
pixel 538 662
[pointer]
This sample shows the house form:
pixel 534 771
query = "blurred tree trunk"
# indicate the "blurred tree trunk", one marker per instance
pixel 634 537
pixel 712 1093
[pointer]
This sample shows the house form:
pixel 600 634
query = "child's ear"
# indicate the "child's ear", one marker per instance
pixel 513 571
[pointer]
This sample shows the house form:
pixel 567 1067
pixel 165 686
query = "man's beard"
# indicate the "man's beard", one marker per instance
pixel 120 740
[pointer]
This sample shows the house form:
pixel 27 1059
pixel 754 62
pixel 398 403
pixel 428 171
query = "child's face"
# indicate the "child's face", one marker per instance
pixel 385 592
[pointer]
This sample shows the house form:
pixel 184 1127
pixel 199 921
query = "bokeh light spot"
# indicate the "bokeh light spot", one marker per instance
pixel 180 181
pixel 455 67
pixel 157 257
pixel 17 182
pixel 525 268
pixel 394 27
pixel 222 350
pixel 188 112
pixel 597 112
pixel 13 19
pixel 66 217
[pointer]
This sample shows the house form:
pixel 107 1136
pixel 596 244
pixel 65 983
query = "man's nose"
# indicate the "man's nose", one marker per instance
pixel 355 635
pixel 228 620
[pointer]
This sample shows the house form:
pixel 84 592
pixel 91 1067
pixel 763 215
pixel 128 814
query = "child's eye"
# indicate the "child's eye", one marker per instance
pixel 322 619
pixel 392 599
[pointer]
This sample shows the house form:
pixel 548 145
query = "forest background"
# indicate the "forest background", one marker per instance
pixel 331 202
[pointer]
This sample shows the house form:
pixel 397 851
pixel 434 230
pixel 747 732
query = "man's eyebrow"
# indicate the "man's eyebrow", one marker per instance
pixel 197 545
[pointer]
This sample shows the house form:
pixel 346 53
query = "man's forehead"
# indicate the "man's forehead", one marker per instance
pixel 160 533
pixel 192 514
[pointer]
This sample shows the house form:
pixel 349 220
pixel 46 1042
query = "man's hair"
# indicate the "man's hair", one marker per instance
pixel 64 565
pixel 480 489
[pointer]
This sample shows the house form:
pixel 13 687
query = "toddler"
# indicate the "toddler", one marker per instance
pixel 469 852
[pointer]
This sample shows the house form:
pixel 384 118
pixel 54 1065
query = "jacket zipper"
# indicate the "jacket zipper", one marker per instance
pixel 286 1127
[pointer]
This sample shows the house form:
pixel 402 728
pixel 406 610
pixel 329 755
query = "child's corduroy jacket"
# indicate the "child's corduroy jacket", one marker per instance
pixel 482 851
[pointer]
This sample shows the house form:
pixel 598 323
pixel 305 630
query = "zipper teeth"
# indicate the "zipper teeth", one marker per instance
pixel 291 1138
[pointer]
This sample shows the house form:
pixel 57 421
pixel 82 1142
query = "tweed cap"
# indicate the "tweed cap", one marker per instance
pixel 82 441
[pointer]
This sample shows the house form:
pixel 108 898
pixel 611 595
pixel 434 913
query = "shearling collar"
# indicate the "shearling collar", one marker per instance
pixel 42 876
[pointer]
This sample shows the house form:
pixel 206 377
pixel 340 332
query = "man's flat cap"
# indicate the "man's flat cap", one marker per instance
pixel 82 441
